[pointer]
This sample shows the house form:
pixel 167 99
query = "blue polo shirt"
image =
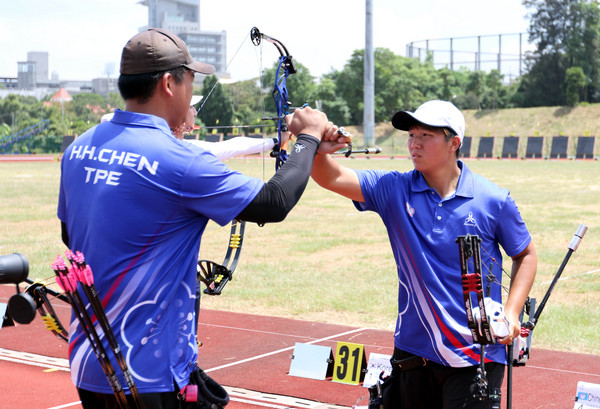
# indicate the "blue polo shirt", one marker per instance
pixel 136 201
pixel 423 228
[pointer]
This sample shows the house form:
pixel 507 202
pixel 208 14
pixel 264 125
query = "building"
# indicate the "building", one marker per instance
pixel 26 75
pixel 182 17
pixel 40 58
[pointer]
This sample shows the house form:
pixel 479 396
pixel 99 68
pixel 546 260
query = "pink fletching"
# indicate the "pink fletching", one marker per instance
pixel 69 255
pixel 76 273
pixel 72 277
pixel 60 283
pixel 89 277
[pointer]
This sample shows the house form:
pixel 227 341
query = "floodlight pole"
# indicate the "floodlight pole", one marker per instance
pixel 369 78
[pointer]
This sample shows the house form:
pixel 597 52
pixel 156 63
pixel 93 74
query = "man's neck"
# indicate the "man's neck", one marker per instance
pixel 445 180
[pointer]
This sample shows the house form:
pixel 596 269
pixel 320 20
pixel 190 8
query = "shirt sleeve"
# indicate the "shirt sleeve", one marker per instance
pixel 512 232
pixel 212 189
pixel 237 146
pixel 375 189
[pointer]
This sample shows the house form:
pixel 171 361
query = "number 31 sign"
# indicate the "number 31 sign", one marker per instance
pixel 349 363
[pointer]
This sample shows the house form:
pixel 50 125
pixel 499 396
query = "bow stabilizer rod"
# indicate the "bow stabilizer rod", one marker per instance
pixel 573 245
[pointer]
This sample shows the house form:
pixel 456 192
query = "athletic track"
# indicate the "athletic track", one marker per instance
pixel 251 356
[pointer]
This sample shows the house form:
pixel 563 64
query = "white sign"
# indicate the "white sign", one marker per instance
pixel 377 363
pixel 2 313
pixel 588 396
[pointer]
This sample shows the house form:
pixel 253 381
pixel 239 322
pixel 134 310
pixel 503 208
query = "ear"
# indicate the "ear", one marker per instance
pixel 455 143
pixel 166 83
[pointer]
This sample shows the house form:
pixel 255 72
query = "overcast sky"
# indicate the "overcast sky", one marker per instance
pixel 84 37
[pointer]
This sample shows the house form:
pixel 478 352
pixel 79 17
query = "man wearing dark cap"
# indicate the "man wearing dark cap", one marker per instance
pixel 135 201
pixel 425 210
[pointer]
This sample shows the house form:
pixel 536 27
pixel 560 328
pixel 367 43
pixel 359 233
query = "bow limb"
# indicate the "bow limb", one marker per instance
pixel 216 276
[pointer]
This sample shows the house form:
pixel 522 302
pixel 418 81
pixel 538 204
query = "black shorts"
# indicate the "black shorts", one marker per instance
pixel 434 386
pixel 160 400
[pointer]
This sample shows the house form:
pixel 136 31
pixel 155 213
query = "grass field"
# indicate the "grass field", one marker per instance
pixel 327 262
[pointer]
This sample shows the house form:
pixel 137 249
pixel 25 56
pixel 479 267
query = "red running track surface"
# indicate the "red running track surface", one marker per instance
pixel 251 356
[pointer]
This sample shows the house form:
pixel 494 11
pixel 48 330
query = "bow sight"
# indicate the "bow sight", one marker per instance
pixel 14 268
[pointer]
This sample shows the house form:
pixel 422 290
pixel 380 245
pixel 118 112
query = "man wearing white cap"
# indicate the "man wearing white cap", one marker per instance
pixel 425 210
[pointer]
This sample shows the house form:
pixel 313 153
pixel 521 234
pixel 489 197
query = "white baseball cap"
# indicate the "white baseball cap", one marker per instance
pixel 196 99
pixel 436 113
pixel 107 117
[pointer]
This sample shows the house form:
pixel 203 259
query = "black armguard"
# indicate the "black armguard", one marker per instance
pixel 281 193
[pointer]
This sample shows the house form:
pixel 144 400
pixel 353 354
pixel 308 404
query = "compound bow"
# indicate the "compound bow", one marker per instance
pixel 215 276
pixel 480 327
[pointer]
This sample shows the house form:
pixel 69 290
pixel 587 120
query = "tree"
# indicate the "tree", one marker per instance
pixel 583 48
pixel 543 84
pixel 476 85
pixel 219 109
pixel 332 104
pixel 348 85
pixel 493 85
pixel 301 87
pixel 247 106
pixel 567 34
pixel 574 83
pixel 400 83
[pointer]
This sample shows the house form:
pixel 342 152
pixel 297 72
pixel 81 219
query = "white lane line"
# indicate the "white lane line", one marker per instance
pixel 275 401
pixel 29 358
pixel 67 405
pixel 258 331
pixel 243 361
pixel 562 370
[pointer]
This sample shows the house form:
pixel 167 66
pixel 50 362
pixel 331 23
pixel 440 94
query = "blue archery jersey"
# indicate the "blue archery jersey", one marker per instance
pixel 423 228
pixel 136 201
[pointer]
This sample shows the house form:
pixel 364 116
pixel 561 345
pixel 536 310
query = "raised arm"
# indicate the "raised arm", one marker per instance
pixel 328 172
pixel 238 146
pixel 524 267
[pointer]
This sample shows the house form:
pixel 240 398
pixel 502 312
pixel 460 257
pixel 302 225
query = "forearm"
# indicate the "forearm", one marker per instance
pixel 523 273
pixel 329 174
pixel 281 193
pixel 244 146
pixel 236 146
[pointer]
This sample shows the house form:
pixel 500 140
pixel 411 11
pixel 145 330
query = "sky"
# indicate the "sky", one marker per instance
pixel 84 38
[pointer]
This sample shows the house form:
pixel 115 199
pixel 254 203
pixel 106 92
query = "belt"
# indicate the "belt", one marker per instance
pixel 407 364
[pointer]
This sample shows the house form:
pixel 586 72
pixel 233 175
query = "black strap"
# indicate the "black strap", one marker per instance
pixel 407 364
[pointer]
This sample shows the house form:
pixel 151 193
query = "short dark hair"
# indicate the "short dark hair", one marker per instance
pixel 142 86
